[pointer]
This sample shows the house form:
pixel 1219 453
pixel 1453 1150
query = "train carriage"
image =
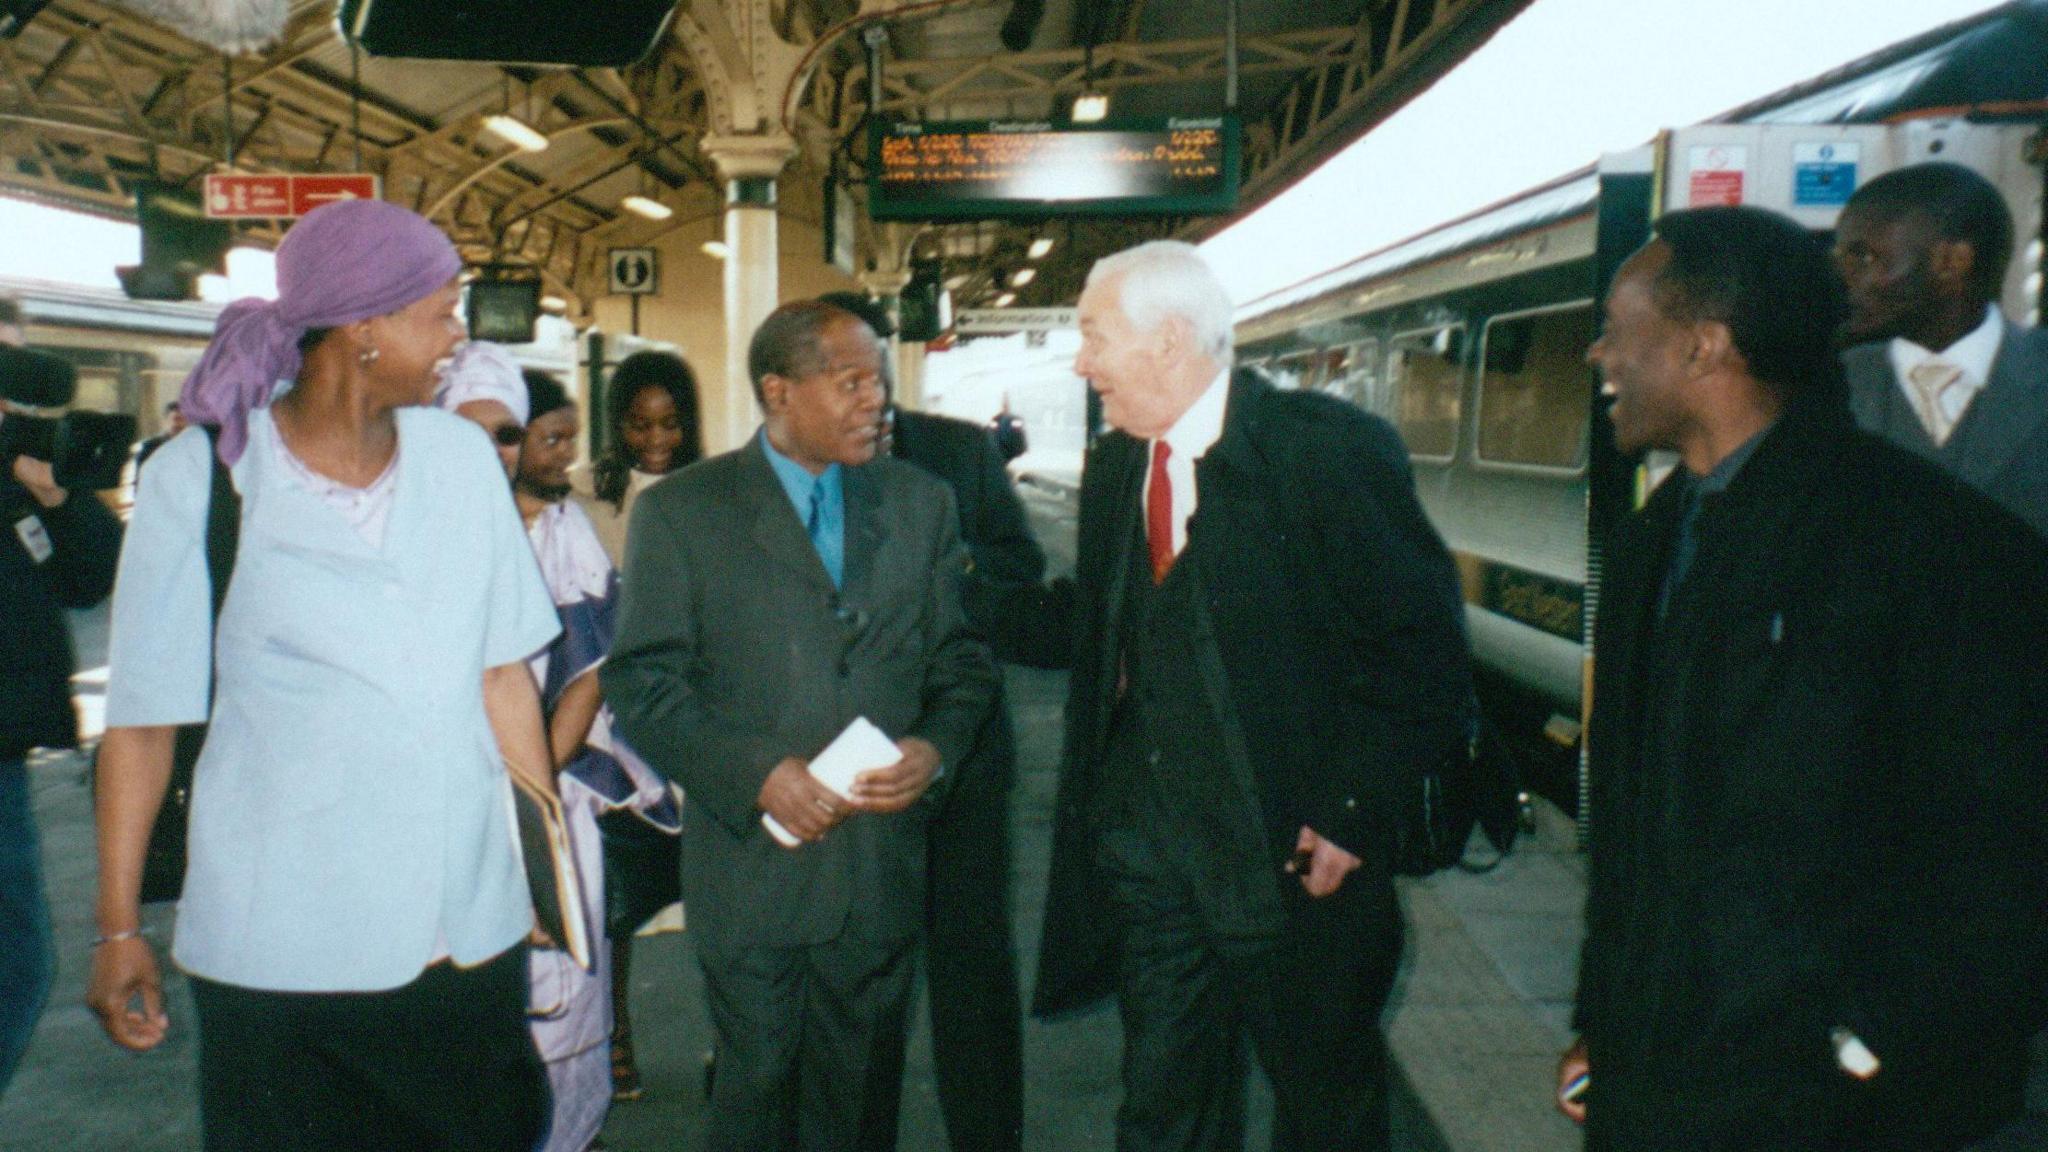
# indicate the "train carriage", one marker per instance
pixel 1470 339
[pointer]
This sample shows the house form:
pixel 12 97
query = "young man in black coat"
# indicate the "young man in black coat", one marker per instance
pixel 1269 648
pixel 1819 816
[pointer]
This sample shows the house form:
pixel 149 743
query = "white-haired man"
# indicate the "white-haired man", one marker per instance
pixel 1268 647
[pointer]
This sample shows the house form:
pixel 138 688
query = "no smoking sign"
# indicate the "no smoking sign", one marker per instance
pixel 635 271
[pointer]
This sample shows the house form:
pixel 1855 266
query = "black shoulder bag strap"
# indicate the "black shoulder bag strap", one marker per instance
pixel 163 867
pixel 223 530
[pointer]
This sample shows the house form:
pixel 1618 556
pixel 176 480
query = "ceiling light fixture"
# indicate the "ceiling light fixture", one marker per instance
pixel 1039 248
pixel 644 206
pixel 716 249
pixel 1023 276
pixel 1090 106
pixel 1006 299
pixel 515 131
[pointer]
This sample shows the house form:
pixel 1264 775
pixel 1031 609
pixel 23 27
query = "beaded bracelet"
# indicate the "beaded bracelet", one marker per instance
pixel 111 937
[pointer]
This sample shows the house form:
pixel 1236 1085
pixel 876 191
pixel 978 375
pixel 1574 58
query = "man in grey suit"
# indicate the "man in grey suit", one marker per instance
pixel 772 595
pixel 1937 368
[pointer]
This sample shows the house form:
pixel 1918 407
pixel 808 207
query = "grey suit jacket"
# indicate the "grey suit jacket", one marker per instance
pixel 735 651
pixel 2001 445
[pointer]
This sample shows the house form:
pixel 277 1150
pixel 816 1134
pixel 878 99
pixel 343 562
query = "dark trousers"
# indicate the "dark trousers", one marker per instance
pixel 800 1032
pixel 445 1063
pixel 27 960
pixel 1195 1005
pixel 970 967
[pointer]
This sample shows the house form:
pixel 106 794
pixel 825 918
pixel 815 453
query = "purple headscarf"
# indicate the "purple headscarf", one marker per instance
pixel 343 262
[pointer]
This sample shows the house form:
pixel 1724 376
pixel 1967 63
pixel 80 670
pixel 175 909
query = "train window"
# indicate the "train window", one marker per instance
pixel 1426 371
pixel 1296 370
pixel 1352 372
pixel 1535 390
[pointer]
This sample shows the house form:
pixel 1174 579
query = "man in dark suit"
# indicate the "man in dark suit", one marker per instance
pixel 1269 650
pixel 772 595
pixel 976 1008
pixel 1815 916
pixel 1937 368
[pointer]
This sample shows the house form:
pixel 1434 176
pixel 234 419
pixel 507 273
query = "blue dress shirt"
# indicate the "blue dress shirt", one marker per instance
pixel 820 503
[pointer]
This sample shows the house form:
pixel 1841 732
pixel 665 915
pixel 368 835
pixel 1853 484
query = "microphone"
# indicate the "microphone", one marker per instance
pixel 36 379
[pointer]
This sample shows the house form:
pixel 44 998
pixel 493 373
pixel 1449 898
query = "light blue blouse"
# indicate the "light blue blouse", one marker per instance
pixel 351 816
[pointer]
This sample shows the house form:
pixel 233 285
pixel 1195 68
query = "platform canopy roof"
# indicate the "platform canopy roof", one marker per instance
pixel 96 96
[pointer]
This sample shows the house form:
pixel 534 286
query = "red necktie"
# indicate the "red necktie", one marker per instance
pixel 1159 513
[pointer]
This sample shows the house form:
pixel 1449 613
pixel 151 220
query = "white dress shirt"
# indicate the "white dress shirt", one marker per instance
pixel 1189 440
pixel 1973 355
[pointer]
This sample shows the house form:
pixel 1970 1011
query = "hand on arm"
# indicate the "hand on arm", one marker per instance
pixel 40 480
pixel 125 989
pixel 799 802
pixel 903 783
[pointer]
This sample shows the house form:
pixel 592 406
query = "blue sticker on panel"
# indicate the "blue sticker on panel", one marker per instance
pixel 1824 175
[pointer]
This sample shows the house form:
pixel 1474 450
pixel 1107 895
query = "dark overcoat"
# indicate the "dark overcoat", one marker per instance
pixel 1334 661
pixel 1818 802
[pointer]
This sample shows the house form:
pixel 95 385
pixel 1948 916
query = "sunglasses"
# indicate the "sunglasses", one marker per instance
pixel 509 435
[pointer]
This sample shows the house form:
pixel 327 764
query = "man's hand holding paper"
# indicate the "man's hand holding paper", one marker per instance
pixel 898 786
pixel 802 801
pixel 795 807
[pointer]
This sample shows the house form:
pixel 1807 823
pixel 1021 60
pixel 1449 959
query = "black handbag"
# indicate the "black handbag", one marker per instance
pixel 642 870
pixel 163 865
pixel 1474 785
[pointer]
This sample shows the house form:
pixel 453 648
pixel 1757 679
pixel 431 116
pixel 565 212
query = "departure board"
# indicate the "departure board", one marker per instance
pixel 984 169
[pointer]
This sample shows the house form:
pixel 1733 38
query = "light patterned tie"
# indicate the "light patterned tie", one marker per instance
pixel 1931 379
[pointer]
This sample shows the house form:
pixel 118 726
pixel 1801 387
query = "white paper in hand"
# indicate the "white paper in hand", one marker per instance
pixel 862 747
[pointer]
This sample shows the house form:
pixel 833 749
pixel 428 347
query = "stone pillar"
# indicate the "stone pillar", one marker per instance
pixel 749 165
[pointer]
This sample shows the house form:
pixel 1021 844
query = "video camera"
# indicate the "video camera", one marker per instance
pixel 85 450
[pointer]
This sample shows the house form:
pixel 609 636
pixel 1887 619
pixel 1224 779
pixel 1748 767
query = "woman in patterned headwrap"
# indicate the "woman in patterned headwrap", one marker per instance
pixel 354 910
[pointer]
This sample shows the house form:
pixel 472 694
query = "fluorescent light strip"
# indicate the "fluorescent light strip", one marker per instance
pixel 642 206
pixel 515 131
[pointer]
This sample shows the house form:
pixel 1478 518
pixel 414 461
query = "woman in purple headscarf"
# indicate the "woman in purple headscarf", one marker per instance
pixel 354 908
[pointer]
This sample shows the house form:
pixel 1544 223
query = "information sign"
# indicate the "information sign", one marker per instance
pixel 270 195
pixel 971 170
pixel 635 271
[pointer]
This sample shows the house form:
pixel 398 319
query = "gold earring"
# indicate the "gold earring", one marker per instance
pixel 367 357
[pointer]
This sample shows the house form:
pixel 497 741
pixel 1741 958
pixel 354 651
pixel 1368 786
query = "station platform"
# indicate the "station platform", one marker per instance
pixel 1479 1013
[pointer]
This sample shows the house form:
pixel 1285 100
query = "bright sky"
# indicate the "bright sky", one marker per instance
pixel 43 243
pixel 1564 82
